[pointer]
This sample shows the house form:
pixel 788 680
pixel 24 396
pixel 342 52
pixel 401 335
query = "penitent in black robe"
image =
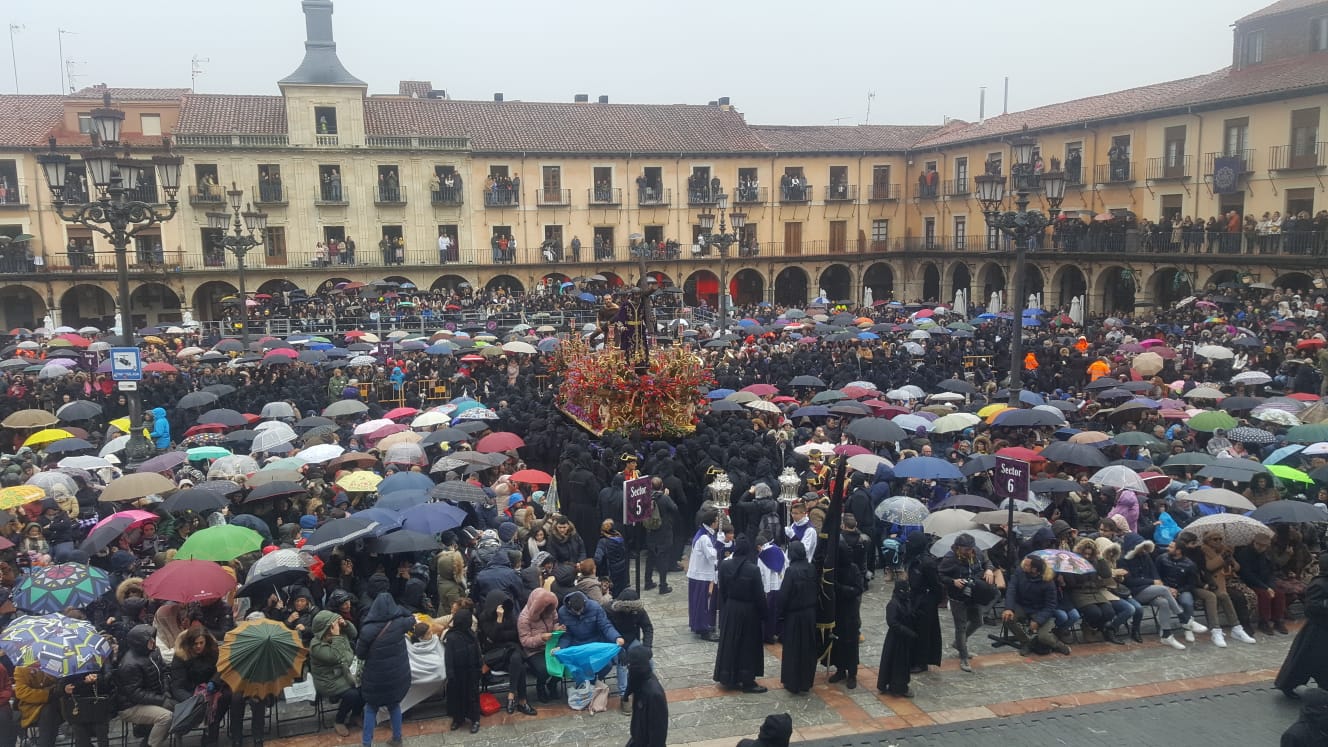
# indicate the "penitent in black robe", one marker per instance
pixel 1308 657
pixel 741 656
pixel 801 644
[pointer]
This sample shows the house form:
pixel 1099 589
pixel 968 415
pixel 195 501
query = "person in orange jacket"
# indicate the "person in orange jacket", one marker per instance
pixel 1081 344
pixel 1097 369
pixel 1030 361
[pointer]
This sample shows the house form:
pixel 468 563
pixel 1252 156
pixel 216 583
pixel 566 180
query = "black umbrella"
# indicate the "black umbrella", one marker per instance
pixel 1288 512
pixel 1104 382
pixel 221 390
pixel 444 435
pixel 1053 485
pixel 1025 419
pixel 1080 454
pixel 79 409
pixel 199 500
pixel 724 405
pixel 1220 470
pixel 958 386
pixel 964 500
pixel 402 540
pixel 472 426
pixel 197 400
pixel 978 463
pixel 67 446
pixel 245 436
pixel 1238 404
pixel 277 489
pixel 101 538
pixel 313 421
pixel 877 430
pixel 229 345
pixel 223 416
pixel 850 407
pixel 337 532
pixel 458 491
pixel 805 380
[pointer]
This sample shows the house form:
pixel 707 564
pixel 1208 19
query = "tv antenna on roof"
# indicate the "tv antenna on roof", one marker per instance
pixel 70 75
pixel 870 95
pixel 13 52
pixel 195 70
pixel 60 42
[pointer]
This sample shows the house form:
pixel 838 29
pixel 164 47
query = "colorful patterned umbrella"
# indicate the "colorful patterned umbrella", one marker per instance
pixel 60 646
pixel 59 587
pixel 259 658
pixel 1064 561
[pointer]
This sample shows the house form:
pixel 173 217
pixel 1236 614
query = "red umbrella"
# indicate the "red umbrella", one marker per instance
pixel 1304 396
pixel 355 334
pixel 1021 453
pixel 500 441
pixel 1313 343
pixel 761 390
pixel 205 428
pixel 785 400
pixel 857 392
pixel 160 367
pixel 1156 481
pixel 401 412
pixel 388 430
pixel 472 359
pixel 77 341
pixel 187 581
pixel 848 450
pixel 532 476
pixel 288 352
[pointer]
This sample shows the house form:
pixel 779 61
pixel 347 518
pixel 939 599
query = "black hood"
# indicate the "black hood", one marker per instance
pixel 777 729
pixel 383 609
pixel 139 637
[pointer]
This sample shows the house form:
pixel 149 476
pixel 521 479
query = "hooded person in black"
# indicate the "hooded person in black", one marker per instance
pixel 775 732
pixel 900 636
pixel 1308 657
pixel 385 676
pixel 143 685
pixel 300 617
pixel 502 646
pixel 797 594
pixel 650 706
pixel 928 593
pixel 848 612
pixel 464 664
pixel 1311 729
pixel 740 658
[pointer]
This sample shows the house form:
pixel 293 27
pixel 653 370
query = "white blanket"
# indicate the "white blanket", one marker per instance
pixel 427 672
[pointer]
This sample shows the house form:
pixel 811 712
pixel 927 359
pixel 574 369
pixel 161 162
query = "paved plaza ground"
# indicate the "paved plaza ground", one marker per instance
pixel 1018 691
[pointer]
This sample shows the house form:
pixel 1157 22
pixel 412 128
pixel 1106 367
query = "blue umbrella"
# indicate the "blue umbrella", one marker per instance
pixel 583 661
pixel 387 519
pixel 588 297
pixel 1277 456
pixel 927 468
pixel 440 348
pixel 432 518
pixel 719 393
pixel 405 481
pixel 987 315
pixel 548 344
pixel 811 411
pixel 403 499
pixel 868 336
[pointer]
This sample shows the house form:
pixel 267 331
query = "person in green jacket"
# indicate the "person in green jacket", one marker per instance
pixel 331 655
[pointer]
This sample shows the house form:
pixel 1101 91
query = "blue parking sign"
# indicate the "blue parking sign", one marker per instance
pixel 126 364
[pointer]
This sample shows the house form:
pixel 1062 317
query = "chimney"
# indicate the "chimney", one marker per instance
pixel 723 100
pixel 416 89
pixel 603 99
pixel 498 97
pixel 581 98
pixel 982 104
pixel 436 94
pixel 321 66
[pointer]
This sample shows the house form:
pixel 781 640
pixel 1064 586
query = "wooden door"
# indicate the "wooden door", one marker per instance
pixel 792 239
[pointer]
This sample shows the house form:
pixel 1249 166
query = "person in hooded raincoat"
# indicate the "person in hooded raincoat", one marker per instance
pixel 928 593
pixel 1308 656
pixel 385 678
pixel 740 658
pixel 775 731
pixel 1311 729
pixel 650 706
pixel 797 595
pixel 461 652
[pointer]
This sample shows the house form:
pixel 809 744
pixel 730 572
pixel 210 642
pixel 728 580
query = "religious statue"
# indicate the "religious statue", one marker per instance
pixel 608 313
pixel 635 323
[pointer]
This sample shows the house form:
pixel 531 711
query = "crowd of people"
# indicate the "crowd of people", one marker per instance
pixel 447 528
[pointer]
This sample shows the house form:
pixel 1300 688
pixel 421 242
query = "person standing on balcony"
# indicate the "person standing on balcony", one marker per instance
pixel 333 252
pixel 348 251
pixel 335 181
pixel 385 248
pixel 576 248
pixel 444 247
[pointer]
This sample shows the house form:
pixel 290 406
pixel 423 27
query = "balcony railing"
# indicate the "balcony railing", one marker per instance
pixel 12 196
pixel 1160 169
pixel 750 195
pixel 141 261
pixel 800 193
pixel 1074 176
pixel 330 194
pixel 501 197
pixel 841 193
pixel 653 196
pixel 231 141
pixel 446 196
pixel 553 197
pixel 884 192
pixel 1298 157
pixel 270 193
pixel 144 193
pixel 1246 161
pixel 386 194
pixel 1118 172
pixel 208 194
pixel 703 196
pixel 326 141
pixel 604 196
pixel 958 187
pixel 76 193
pixel 413 142
pixel 927 191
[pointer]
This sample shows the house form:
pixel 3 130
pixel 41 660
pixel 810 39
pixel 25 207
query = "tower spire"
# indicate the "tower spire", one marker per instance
pixel 321 66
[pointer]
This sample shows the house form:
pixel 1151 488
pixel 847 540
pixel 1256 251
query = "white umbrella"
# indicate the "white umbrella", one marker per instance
pixel 1215 352
pixel 1276 417
pixel 320 453
pixel 271 439
pixel 919 334
pixel 517 346
pixel 1251 378
pixel 429 419
pixel 1121 478
pixel 867 463
pixel 1236 530
pixel 275 425
pixel 954 422
pixel 363 360
pixel 808 448
pixel 1204 392
pixel 910 422
pixel 1052 410
pixel 985 541
pixel 1222 497
pixel 914 390
pixel 1318 449
pixel 914 348
pixel 114 445
pixel 946 397
pixel 948 520
pixel 85 462
pixel 277 410
pixel 763 406
pixel 369 426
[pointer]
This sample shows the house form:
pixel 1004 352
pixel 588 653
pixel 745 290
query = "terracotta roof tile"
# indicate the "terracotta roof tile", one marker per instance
pixel 1282 6
pixel 26 121
pixel 223 114
pixel 131 94
pixel 535 127
pixel 842 139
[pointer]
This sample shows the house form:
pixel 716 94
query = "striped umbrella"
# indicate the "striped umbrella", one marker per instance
pixel 259 658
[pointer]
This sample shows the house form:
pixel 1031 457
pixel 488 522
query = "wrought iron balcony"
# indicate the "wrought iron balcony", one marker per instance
pixel 883 192
pixel 445 196
pixel 1074 176
pixel 791 194
pixel 750 195
pixel 330 194
pixel 841 193
pixel 1298 157
pixel 958 187
pixel 553 197
pixel 703 195
pixel 1161 169
pixel 501 197
pixel 387 194
pixel 1246 161
pixel 269 193
pixel 208 194
pixel 604 196
pixel 653 196
pixel 1118 172
pixel 12 196
pixel 927 191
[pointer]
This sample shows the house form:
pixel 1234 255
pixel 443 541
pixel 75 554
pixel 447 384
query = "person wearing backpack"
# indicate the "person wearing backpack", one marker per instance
pixel 659 536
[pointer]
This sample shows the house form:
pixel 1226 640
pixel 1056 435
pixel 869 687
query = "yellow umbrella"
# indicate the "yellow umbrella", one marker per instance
pixel 20 495
pixel 41 438
pixel 360 482
pixel 122 425
pixel 993 409
pixel 154 340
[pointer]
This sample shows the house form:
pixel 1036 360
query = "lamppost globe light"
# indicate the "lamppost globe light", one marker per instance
pixel 55 166
pixel 739 220
pixel 1053 186
pixel 723 201
pixel 106 122
pixel 101 164
pixel 236 196
pixel 1021 150
pixel 168 171
pixel 991 191
pixel 707 221
pixel 254 220
pixel 130 172
pixel 218 220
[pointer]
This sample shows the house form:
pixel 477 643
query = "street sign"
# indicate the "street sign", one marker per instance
pixel 1011 478
pixel 126 364
pixel 636 500
pixel 127 386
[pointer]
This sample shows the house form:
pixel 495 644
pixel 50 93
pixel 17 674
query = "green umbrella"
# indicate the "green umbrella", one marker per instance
pixel 1190 459
pixel 207 452
pixel 59 587
pixel 1290 473
pixel 1210 421
pixel 259 658
pixel 220 543
pixel 1138 438
pixel 1311 433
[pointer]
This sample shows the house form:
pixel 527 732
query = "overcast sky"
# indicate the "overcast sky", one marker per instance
pixel 781 62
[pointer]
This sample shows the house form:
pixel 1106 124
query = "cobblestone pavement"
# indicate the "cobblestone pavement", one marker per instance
pixel 1002 685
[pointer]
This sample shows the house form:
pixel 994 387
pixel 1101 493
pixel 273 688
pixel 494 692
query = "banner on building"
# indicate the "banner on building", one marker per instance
pixel 1226 174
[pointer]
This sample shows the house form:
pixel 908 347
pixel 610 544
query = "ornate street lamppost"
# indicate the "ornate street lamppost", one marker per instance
pixel 239 243
pixel 722 241
pixel 1021 225
pixel 118 217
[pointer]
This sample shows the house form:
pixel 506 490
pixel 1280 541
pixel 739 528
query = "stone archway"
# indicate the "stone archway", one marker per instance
pixel 612 279
pixel 961 280
pixel 1117 287
pixel 702 285
pixel 1296 282
pixel 662 279
pixel 931 282
pixel 1170 285
pixel 449 283
pixel 277 287
pixel 154 305
pixel 1221 277
pixel 207 300
pixel 505 282
pixel 329 284
pixel 991 279
pixel 1033 284
pixel 1068 282
pixel 837 283
pixel 791 287
pixel 747 287
pixel 20 306
pixel 880 279
pixel 88 305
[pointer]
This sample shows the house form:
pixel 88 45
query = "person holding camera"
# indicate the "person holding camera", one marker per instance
pixel 969 579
